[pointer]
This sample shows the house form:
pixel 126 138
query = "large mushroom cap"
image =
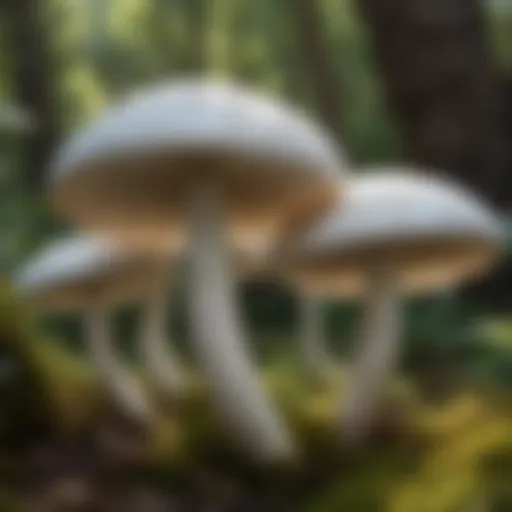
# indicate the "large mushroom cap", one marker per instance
pixel 432 232
pixel 74 273
pixel 131 171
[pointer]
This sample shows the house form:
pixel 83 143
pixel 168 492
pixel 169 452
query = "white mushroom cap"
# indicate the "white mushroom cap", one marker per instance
pixel 76 272
pixel 432 232
pixel 131 171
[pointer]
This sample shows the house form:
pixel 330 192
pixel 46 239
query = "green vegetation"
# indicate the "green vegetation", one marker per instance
pixel 434 459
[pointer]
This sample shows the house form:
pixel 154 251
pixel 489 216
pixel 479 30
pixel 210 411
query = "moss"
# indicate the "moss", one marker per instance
pixel 450 455
pixel 51 388
pixel 440 474
pixel 451 474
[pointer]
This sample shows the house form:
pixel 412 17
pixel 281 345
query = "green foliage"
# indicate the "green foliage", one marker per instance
pixel 106 47
pixel 494 366
pixel 500 29
pixel 465 431
pixel 44 385
pixel 462 441
pixel 369 128
pixel 498 333
pixel 446 457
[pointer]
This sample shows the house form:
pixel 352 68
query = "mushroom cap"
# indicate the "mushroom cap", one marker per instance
pixel 431 232
pixel 73 273
pixel 130 172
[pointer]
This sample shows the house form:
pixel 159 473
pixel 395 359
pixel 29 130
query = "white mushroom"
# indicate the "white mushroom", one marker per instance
pixel 90 276
pixel 156 350
pixel 394 232
pixel 225 166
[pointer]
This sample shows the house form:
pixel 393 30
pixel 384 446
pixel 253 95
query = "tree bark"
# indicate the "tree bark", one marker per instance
pixel 496 290
pixel 33 82
pixel 437 71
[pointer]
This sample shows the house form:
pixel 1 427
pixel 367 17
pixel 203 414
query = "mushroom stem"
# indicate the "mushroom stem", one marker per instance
pixel 218 340
pixel 157 354
pixel 115 377
pixel 312 337
pixel 377 347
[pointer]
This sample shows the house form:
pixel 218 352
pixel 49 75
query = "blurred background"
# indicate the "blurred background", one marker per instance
pixel 423 81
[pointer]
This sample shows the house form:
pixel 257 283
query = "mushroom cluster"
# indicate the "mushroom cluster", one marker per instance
pixel 89 276
pixel 393 233
pixel 227 182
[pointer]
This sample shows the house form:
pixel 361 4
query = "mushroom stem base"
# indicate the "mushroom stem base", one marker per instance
pixel 376 353
pixel 156 352
pixel 217 338
pixel 113 375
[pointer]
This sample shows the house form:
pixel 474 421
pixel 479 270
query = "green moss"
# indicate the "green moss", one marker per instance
pixel 436 469
pixel 50 387
pixel 450 455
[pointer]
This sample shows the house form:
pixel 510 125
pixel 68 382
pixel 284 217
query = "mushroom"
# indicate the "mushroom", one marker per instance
pixel 88 275
pixel 394 233
pixel 156 351
pixel 225 167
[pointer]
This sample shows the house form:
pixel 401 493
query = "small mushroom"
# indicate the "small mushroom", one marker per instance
pixel 88 275
pixel 219 166
pixel 394 233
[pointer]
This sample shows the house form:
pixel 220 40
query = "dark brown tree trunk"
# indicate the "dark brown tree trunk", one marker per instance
pixel 324 82
pixel 436 66
pixel 437 71
pixel 496 289
pixel 33 82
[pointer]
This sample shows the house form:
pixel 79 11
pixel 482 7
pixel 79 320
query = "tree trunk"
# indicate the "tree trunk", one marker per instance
pixel 496 290
pixel 437 71
pixel 32 82
pixel 436 66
